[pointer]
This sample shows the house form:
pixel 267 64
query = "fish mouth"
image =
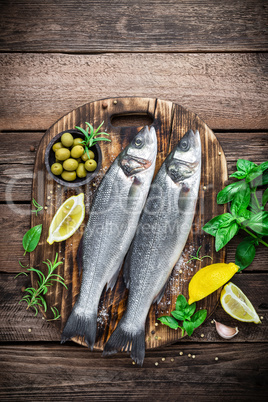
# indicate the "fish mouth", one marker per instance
pixel 180 170
pixel 189 165
pixel 134 164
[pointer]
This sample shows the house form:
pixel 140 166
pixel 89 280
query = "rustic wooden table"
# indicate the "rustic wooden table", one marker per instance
pixel 211 58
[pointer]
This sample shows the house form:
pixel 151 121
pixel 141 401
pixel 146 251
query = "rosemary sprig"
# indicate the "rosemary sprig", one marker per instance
pixel 56 314
pixel 37 206
pixel 197 257
pixel 35 297
pixel 91 137
pixel 22 266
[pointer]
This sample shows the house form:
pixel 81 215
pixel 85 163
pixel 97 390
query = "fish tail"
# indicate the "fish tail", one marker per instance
pixel 82 326
pixel 123 340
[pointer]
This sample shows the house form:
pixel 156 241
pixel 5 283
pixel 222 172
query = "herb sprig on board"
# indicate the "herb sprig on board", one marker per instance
pixel 35 297
pixel 91 137
pixel 246 212
pixel 185 313
pixel 37 206
pixel 196 257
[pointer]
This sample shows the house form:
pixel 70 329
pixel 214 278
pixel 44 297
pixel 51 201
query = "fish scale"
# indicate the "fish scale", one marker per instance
pixel 159 241
pixel 112 223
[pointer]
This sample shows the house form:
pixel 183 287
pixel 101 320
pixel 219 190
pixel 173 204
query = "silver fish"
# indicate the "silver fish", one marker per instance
pixel 112 223
pixel 161 236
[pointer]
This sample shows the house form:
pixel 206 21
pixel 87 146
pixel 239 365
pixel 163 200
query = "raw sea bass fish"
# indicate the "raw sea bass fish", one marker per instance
pixel 112 223
pixel 160 238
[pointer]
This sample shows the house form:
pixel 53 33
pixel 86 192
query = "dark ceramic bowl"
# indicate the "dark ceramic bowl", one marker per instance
pixel 50 159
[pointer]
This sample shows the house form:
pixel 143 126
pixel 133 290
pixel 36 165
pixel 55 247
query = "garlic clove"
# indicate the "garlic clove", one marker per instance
pixel 224 331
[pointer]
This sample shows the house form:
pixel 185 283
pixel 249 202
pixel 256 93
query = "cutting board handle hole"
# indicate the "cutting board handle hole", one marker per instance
pixel 131 120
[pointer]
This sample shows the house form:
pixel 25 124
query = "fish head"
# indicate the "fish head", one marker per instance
pixel 185 160
pixel 140 154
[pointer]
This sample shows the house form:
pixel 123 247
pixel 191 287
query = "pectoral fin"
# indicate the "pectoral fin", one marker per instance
pixel 134 193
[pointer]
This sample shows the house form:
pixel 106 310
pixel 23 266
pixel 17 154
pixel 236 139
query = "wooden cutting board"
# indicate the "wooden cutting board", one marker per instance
pixel 171 121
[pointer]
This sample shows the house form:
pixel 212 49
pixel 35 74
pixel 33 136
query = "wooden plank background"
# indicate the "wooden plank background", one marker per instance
pixel 77 26
pixel 227 91
pixel 208 56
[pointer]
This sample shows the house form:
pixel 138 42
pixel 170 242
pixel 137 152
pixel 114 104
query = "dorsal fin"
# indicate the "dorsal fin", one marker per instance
pixel 112 281
pixel 159 296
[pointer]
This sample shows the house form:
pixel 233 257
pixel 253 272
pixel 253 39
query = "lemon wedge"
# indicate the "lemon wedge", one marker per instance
pixel 209 279
pixel 237 305
pixel 67 219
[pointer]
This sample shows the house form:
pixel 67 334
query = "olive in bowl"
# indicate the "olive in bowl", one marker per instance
pixel 67 164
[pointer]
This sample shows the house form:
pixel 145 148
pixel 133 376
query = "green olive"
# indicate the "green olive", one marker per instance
pixel 58 161
pixel 56 169
pixel 67 139
pixel 62 154
pixel 91 165
pixel 70 165
pixel 81 171
pixel 77 151
pixel 56 146
pixel 85 157
pixel 77 141
pixel 68 176
pixel 78 160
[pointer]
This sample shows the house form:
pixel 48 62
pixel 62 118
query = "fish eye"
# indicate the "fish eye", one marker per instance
pixel 184 145
pixel 138 143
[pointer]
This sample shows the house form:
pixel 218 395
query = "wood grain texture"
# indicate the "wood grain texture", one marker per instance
pixel 228 91
pixel 16 320
pixel 73 373
pixel 171 122
pixel 16 165
pixel 14 222
pixel 133 26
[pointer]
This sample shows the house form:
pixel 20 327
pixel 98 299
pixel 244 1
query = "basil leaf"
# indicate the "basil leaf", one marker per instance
pixel 199 317
pixel 181 303
pixel 189 327
pixel 238 175
pixel 244 165
pixel 225 234
pixel 31 238
pixel 261 180
pixel 169 321
pixel 257 171
pixel 228 193
pixel 240 201
pixel 245 213
pixel 189 311
pixel 179 315
pixel 265 197
pixel 259 223
pixel 213 225
pixel 245 253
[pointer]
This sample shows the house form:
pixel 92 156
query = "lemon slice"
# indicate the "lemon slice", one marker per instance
pixel 67 219
pixel 237 305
